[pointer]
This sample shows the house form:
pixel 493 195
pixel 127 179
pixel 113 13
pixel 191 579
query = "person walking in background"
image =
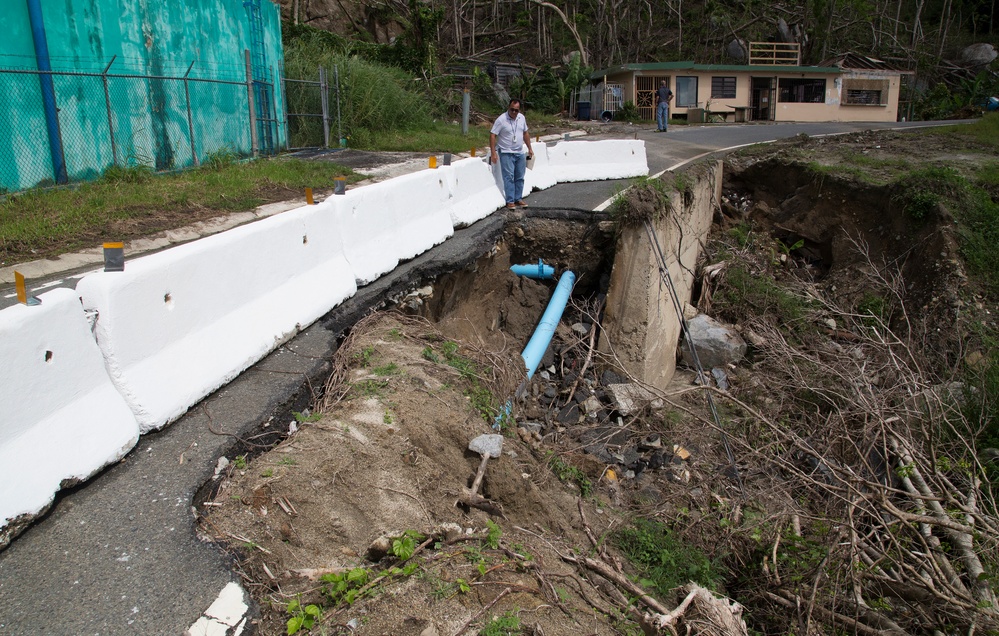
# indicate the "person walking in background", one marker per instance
pixel 663 97
pixel 506 141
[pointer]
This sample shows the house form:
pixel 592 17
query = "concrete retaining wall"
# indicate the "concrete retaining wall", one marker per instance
pixel 178 324
pixel 640 324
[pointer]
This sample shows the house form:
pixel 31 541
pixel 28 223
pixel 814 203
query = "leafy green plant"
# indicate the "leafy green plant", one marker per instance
pixel 363 357
pixel 346 586
pixel 666 561
pixel 494 534
pixel 239 462
pixel 628 112
pixel 302 617
pixel 403 547
pixel 428 353
pixel 303 418
pixel 566 472
pixel 506 624
pixel 267 472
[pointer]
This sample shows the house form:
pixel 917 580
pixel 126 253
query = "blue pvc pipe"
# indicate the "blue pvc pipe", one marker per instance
pixel 540 270
pixel 538 343
pixel 48 89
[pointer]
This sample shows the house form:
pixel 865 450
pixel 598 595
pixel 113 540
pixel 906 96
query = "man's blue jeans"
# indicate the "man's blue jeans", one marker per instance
pixel 662 115
pixel 513 165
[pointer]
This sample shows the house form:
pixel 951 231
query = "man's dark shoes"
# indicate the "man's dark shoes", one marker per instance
pixel 521 204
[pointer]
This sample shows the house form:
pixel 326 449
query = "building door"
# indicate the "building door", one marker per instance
pixel 763 98
pixel 645 94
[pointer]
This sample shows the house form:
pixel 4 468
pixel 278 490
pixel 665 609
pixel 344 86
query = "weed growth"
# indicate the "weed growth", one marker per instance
pixel 666 561
pixel 566 472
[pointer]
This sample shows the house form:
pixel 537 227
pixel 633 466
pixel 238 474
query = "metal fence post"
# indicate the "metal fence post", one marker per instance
pixel 284 112
pixel 253 111
pixel 190 120
pixel 324 100
pixel 336 80
pixel 107 103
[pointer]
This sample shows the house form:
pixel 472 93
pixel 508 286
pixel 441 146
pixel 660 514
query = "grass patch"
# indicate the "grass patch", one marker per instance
pixel 985 131
pixel 129 202
pixel 763 294
pixel 665 560
pixel 476 390
pixel 432 137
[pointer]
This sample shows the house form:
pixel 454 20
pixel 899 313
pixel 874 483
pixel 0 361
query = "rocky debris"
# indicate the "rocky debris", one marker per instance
pixel 717 345
pixel 629 398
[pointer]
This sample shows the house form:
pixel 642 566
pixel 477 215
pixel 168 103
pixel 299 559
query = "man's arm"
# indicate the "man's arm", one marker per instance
pixel 492 148
pixel 527 140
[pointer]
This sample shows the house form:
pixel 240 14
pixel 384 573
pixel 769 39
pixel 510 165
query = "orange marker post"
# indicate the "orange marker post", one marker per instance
pixel 473 151
pixel 433 163
pixel 22 292
pixel 308 197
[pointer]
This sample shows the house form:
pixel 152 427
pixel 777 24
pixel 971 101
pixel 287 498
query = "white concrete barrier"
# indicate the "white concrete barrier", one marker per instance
pixel 393 221
pixel 540 176
pixel 474 194
pixel 62 419
pixel 597 160
pixel 176 325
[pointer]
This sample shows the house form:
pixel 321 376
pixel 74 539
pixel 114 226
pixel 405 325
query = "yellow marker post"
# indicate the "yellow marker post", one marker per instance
pixel 22 291
pixel 473 151
pixel 114 257
pixel 433 163
pixel 308 197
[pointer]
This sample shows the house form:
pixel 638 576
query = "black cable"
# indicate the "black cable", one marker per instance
pixel 701 377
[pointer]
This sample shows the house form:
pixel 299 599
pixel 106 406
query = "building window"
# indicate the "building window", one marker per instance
pixel 810 91
pixel 686 92
pixel 723 87
pixel 865 92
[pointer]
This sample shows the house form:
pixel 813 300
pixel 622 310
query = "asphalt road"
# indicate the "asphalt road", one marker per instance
pixel 120 554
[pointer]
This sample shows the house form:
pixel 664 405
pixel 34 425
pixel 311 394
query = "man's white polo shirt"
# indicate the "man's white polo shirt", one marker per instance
pixel 509 132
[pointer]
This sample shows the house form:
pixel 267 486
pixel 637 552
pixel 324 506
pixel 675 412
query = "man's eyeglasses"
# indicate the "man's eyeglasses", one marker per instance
pixel 514 110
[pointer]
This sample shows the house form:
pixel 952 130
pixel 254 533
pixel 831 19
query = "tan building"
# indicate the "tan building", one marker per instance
pixel 846 88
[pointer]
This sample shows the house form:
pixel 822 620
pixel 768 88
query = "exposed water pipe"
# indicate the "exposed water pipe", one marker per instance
pixel 538 343
pixel 542 336
pixel 48 90
pixel 540 271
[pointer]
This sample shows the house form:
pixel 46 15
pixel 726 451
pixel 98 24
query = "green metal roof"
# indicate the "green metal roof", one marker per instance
pixel 691 66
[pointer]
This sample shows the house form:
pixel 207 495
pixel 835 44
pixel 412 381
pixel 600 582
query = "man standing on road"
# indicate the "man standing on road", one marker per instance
pixel 507 137
pixel 663 97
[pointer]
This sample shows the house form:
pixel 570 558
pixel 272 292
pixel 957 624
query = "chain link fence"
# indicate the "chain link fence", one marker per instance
pixel 313 111
pixel 61 126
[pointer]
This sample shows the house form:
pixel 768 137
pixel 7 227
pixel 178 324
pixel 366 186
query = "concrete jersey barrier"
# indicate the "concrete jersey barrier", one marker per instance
pixel 176 325
pixel 597 160
pixel 63 420
pixel 473 192
pixel 393 221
